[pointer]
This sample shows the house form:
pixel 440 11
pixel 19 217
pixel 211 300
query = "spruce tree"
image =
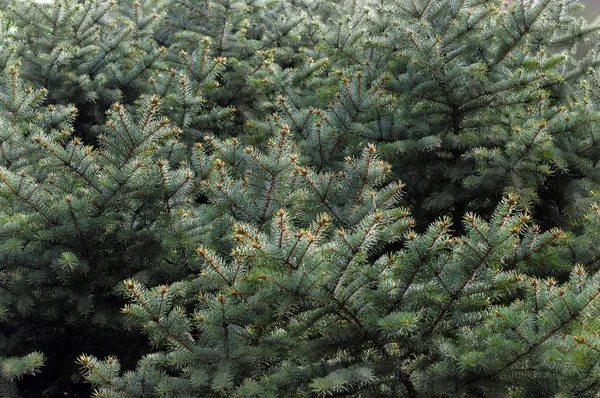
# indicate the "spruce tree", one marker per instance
pixel 298 198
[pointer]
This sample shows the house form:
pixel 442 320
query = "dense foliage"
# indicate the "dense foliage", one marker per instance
pixel 259 198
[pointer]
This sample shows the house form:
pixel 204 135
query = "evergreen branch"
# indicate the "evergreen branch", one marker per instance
pixel 89 363
pixel 26 199
pixel 507 365
pixel 456 295
pixel 204 254
pixel 66 162
pixel 133 287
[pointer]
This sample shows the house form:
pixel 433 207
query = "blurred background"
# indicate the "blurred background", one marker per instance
pixel 592 9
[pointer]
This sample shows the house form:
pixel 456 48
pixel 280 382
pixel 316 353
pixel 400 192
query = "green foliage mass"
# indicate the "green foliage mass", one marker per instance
pixel 258 198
